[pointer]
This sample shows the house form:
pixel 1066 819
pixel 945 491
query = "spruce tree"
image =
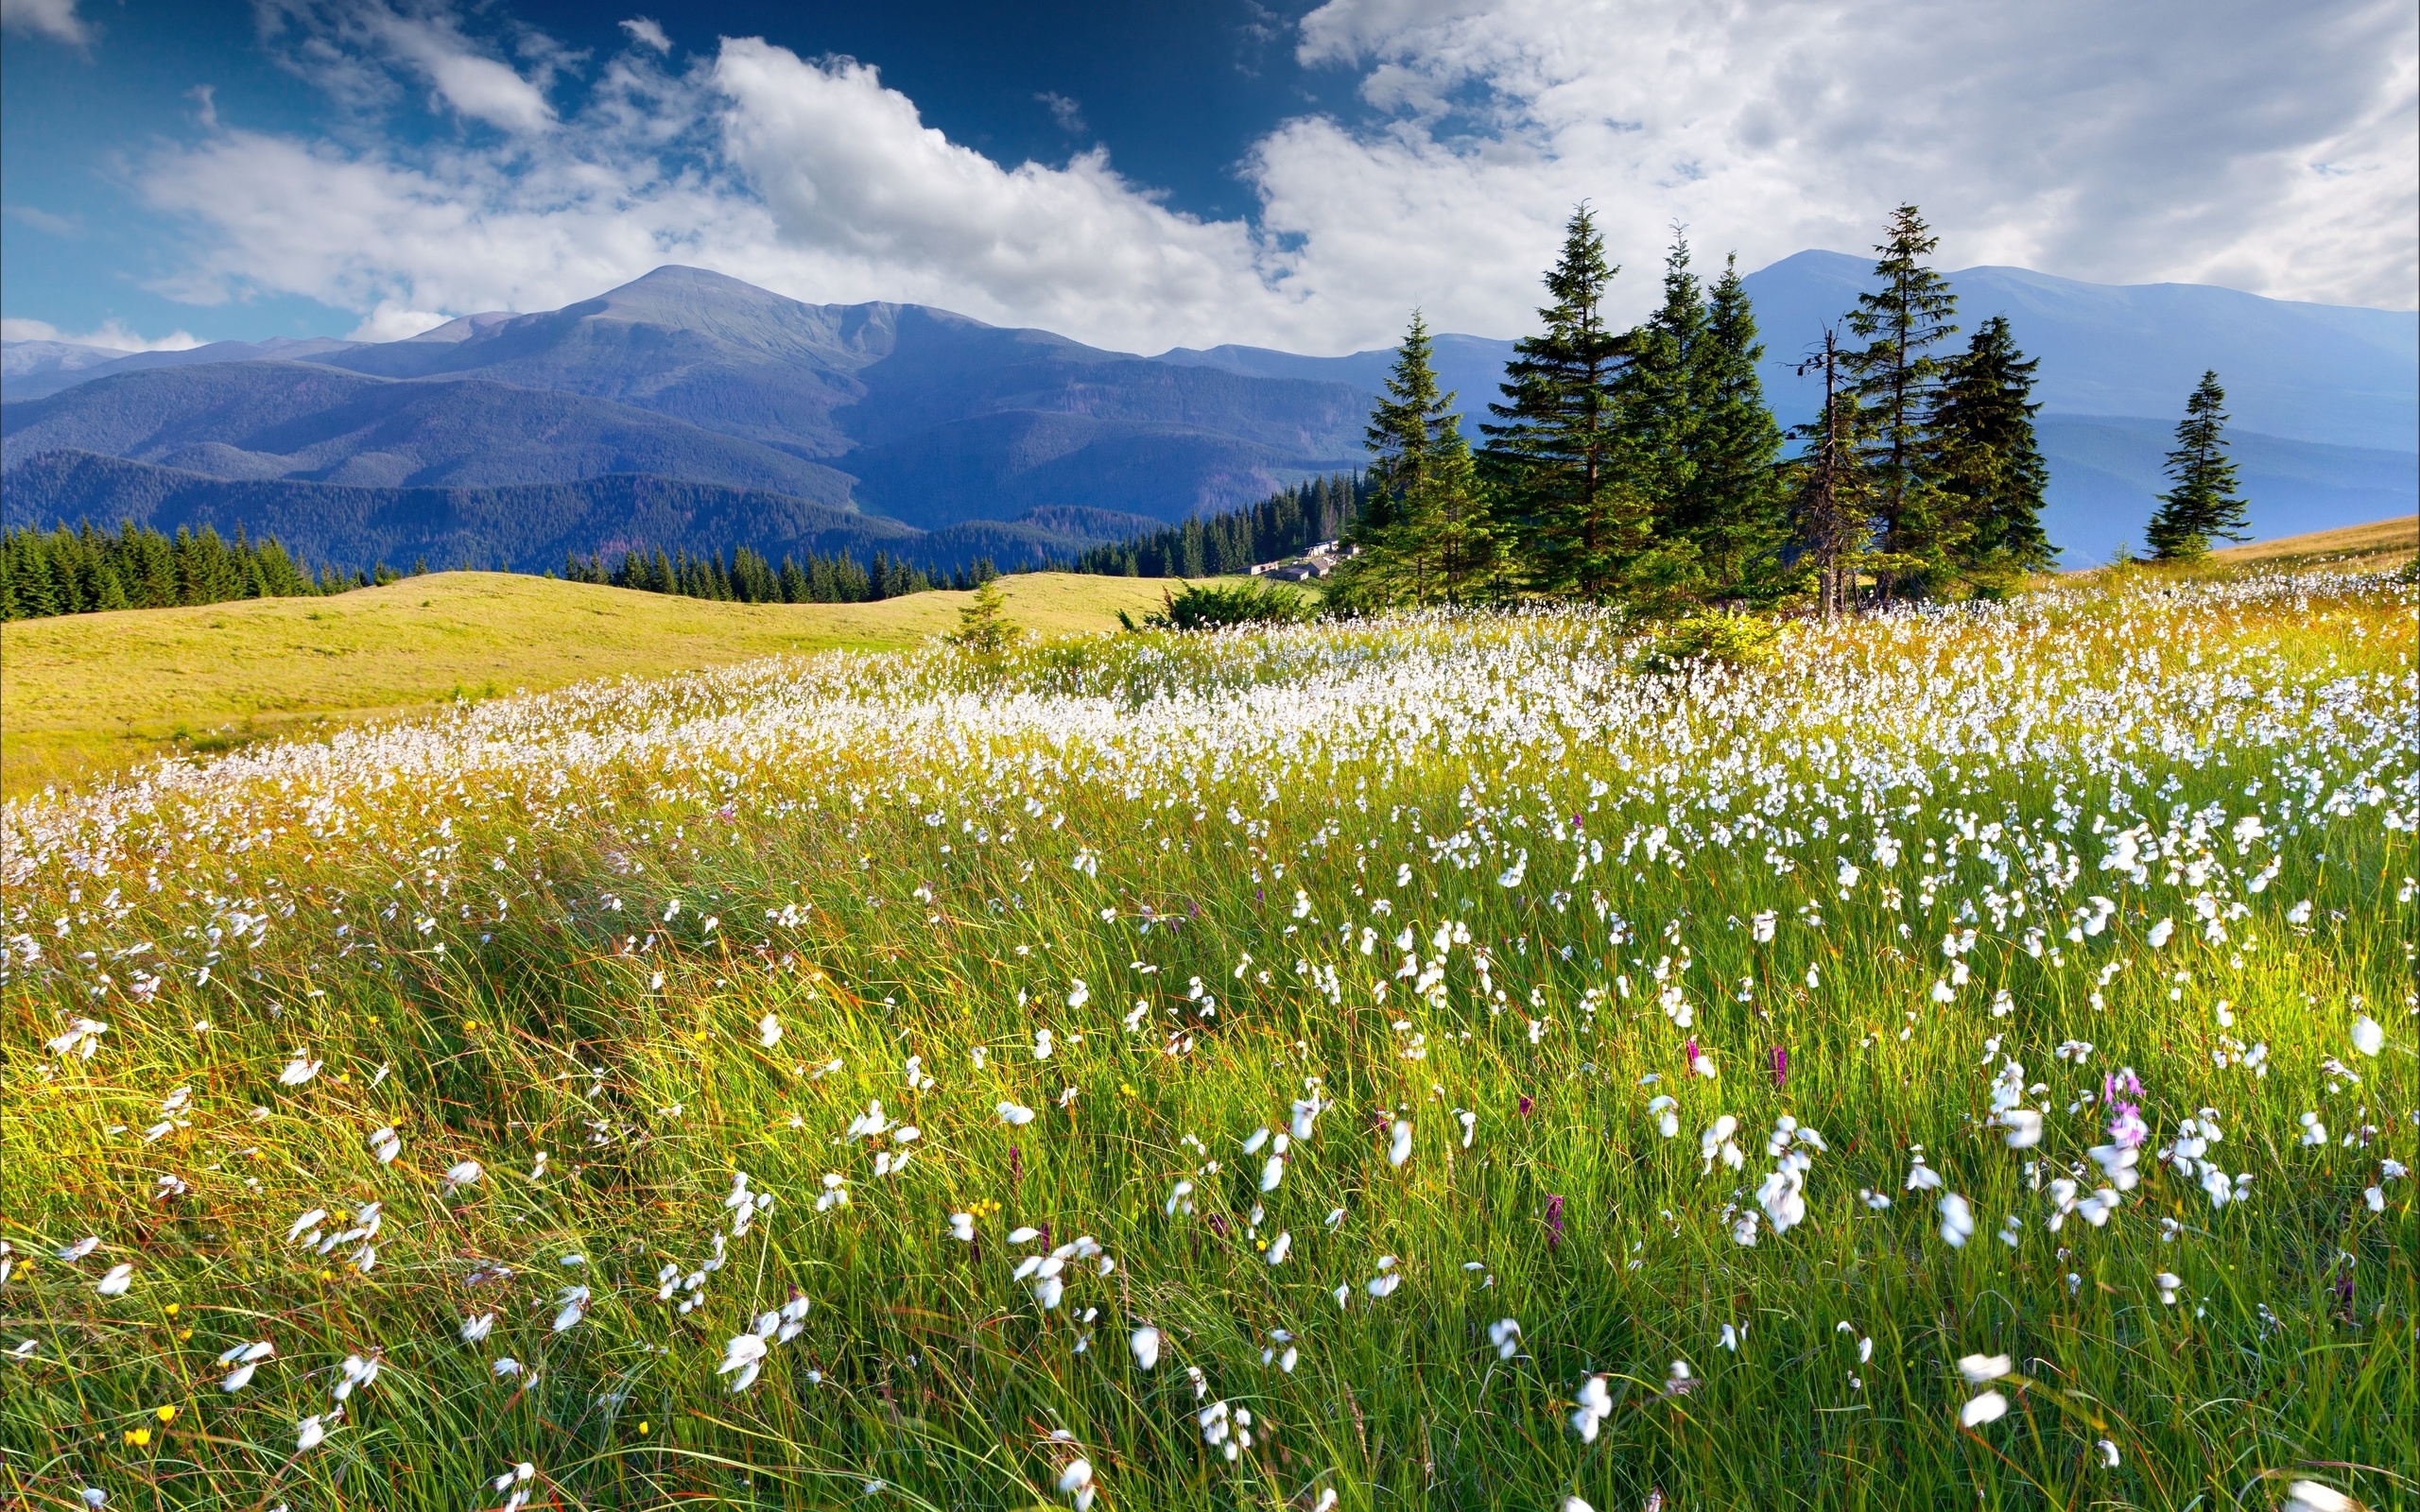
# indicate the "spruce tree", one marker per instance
pixel 1422 482
pixel 1580 523
pixel 2201 505
pixel 1733 511
pixel 1895 375
pixel 1410 418
pixel 1984 460
pixel 1659 392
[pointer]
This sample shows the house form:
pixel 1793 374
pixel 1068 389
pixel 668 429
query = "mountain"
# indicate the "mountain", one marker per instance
pixel 2325 399
pixel 2105 476
pixel 35 369
pixel 934 420
pixel 523 528
pixel 2308 372
pixel 285 420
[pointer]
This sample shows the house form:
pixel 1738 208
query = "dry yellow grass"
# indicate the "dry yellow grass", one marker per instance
pixel 2390 539
pixel 84 695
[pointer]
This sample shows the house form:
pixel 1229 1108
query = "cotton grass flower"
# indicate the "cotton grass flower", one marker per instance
pixel 116 1282
pixel 1957 1221
pixel 743 1359
pixel 1505 1334
pixel 246 1358
pixel 385 1144
pixel 2024 1128
pixel 1986 1407
pixel 1595 1405
pixel 2369 1038
pixel 2314 1496
pixel 1145 1341
pixel 1399 1142
pixel 463 1174
pixel 1076 1482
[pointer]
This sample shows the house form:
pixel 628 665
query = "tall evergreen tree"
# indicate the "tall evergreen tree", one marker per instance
pixel 1425 525
pixel 1983 457
pixel 1410 419
pixel 1895 374
pixel 1733 510
pixel 2201 505
pixel 1831 490
pixel 1580 522
pixel 1659 392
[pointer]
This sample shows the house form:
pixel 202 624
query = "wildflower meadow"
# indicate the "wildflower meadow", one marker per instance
pixel 1439 1061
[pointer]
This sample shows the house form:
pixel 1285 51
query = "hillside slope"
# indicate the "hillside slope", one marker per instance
pixel 283 419
pixel 88 693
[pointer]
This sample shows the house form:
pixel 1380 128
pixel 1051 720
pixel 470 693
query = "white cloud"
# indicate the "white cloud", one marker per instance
pixel 2246 145
pixel 111 336
pixel 2114 144
pixel 56 19
pixel 647 32
pixel 343 45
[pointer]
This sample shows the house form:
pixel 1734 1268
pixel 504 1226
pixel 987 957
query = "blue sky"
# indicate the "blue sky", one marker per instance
pixel 1147 176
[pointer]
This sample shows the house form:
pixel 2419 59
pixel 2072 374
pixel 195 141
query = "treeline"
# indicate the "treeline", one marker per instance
pixel 1286 524
pixel 750 578
pixel 85 569
pixel 1644 467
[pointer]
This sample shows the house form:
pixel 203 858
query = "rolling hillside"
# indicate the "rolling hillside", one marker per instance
pixel 85 695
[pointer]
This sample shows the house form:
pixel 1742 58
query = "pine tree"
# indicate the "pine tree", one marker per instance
pixel 1733 511
pixel 2201 505
pixel 1831 501
pixel 1895 375
pixel 1406 425
pixel 1983 457
pixel 1579 522
pixel 983 627
pixel 1422 483
pixel 1658 391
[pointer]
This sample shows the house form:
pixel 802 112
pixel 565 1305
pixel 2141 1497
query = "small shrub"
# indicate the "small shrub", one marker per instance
pixel 1726 640
pixel 1209 605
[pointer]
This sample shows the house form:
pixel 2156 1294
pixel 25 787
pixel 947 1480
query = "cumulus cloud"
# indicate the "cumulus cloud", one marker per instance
pixel 347 47
pixel 56 19
pixel 2239 144
pixel 2236 143
pixel 111 336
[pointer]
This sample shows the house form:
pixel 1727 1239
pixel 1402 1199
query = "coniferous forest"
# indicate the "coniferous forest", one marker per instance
pixel 749 577
pixel 82 571
pixel 1641 468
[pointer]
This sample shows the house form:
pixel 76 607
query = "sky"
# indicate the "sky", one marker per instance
pixel 1173 174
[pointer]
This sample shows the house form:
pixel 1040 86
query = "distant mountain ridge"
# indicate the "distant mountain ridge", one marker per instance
pixel 527 526
pixel 933 420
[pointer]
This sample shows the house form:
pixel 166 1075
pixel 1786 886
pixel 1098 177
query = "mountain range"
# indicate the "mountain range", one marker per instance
pixel 686 403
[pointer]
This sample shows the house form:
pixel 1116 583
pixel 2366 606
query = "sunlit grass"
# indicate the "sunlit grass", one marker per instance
pixel 466 923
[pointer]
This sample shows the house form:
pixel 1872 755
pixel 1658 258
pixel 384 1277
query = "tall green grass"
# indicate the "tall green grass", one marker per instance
pixel 1219 808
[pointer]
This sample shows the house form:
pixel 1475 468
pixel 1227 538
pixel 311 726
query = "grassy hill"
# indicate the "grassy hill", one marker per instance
pixel 88 693
pixel 1406 1065
pixel 2378 544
